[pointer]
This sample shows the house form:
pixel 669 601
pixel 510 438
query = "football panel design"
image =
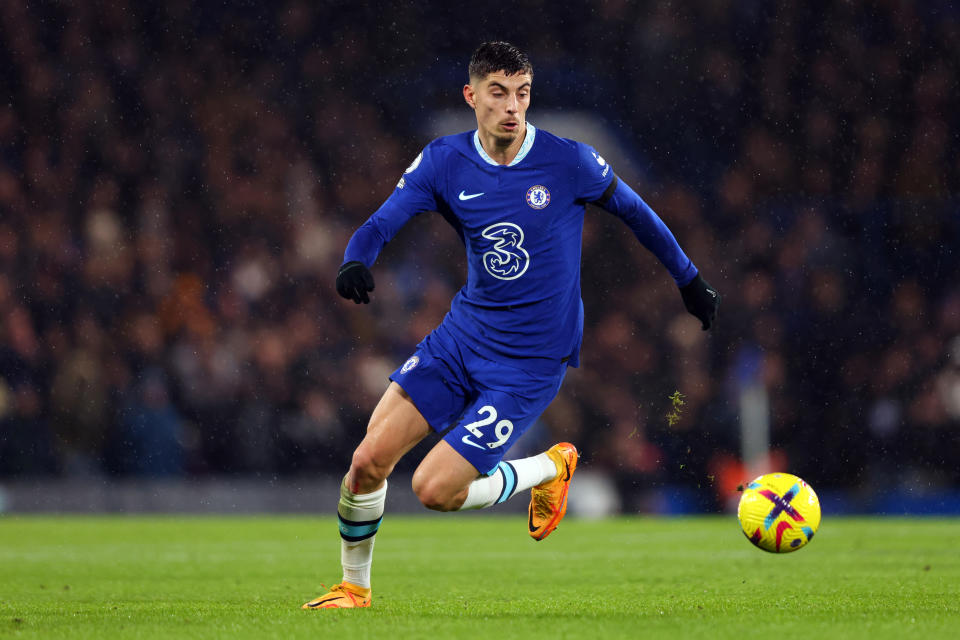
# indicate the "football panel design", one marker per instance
pixel 779 512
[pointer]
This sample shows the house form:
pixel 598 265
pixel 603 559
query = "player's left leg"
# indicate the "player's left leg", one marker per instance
pixel 442 478
pixel 466 470
pixel 446 481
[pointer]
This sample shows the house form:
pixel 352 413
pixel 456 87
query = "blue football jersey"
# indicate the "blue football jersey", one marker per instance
pixel 521 225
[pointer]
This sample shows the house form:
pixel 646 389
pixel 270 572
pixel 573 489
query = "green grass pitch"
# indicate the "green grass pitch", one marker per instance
pixel 475 576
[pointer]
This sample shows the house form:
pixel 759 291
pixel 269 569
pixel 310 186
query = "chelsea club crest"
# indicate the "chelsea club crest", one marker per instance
pixel 538 196
pixel 410 364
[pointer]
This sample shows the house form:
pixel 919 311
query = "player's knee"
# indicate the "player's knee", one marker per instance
pixel 431 494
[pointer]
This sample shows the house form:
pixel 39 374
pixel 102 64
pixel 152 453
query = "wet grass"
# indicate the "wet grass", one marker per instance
pixel 475 576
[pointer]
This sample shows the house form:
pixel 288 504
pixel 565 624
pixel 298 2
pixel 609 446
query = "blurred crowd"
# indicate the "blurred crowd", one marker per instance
pixel 178 183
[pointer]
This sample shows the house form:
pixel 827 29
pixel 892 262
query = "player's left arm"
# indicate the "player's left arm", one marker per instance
pixel 613 195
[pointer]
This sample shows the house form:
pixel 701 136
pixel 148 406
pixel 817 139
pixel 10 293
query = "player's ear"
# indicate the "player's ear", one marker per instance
pixel 468 94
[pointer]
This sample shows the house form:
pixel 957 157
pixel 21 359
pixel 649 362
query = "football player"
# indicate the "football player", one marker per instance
pixel 516 196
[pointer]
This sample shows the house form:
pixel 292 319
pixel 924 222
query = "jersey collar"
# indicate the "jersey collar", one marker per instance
pixel 524 148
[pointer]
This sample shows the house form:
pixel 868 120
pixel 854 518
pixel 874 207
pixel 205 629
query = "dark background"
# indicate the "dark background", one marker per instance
pixel 178 183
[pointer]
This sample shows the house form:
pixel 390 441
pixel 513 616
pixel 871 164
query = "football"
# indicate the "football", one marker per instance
pixel 779 512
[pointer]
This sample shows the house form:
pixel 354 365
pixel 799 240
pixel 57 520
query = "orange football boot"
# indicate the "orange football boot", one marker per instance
pixel 548 501
pixel 341 596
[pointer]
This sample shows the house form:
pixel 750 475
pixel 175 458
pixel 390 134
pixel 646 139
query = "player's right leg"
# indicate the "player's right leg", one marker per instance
pixel 395 427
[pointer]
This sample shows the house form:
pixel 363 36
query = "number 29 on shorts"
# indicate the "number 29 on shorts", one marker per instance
pixel 502 430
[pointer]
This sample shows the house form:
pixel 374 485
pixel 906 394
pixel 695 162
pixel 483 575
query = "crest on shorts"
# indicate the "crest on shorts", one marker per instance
pixel 538 196
pixel 410 364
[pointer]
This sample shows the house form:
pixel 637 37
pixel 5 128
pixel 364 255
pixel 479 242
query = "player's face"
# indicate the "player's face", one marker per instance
pixel 500 102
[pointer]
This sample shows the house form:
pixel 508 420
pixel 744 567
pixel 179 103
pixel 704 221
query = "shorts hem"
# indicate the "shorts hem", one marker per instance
pixel 419 406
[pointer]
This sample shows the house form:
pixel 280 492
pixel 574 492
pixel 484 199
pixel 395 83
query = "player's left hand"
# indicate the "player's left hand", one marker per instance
pixel 702 300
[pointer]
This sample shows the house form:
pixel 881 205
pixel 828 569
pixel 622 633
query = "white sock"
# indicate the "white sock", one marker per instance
pixel 510 478
pixel 359 516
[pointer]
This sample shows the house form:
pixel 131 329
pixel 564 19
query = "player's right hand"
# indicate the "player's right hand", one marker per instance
pixel 354 280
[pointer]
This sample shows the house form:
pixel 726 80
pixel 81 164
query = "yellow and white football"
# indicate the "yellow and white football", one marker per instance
pixel 779 512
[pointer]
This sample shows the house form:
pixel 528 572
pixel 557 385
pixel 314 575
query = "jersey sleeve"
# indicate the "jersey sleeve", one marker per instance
pixel 415 193
pixel 650 230
pixel 594 174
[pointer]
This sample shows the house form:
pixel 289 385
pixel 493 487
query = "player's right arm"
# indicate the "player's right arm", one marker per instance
pixel 415 193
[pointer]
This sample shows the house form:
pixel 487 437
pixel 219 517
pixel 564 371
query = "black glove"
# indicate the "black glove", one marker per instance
pixel 701 300
pixel 354 280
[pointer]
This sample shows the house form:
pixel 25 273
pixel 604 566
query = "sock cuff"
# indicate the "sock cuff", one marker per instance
pixel 362 500
pixel 359 514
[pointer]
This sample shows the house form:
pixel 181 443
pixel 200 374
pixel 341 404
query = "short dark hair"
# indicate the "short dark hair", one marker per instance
pixel 499 56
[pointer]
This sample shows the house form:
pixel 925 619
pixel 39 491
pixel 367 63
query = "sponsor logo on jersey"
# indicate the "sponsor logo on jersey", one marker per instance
pixel 507 259
pixel 465 196
pixel 402 183
pixel 410 364
pixel 538 196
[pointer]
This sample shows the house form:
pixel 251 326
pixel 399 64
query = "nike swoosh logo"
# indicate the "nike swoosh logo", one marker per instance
pixel 464 196
pixel 467 440
pixel 317 604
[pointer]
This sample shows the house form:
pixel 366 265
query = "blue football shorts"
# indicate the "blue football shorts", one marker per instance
pixel 483 406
